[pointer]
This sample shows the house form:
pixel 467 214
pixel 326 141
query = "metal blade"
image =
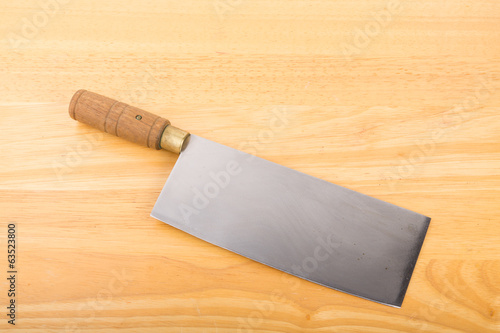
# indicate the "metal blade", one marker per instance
pixel 294 222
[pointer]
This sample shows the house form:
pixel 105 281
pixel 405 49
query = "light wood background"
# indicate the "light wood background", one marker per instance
pixel 396 99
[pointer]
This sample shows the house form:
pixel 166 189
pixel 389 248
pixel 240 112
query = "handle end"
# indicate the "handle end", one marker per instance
pixel 74 102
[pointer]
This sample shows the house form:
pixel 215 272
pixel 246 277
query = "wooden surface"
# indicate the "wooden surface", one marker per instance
pixel 396 99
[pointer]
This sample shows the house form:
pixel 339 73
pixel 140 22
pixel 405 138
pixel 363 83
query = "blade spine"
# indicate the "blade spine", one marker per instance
pixel 308 175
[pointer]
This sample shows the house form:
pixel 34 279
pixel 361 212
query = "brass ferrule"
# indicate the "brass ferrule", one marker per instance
pixel 173 139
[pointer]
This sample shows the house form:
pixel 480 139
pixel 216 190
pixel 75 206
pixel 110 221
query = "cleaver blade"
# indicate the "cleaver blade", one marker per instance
pixel 291 221
pixel 296 223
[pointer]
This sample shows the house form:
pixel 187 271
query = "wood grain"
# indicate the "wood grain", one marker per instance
pixel 396 99
pixel 117 118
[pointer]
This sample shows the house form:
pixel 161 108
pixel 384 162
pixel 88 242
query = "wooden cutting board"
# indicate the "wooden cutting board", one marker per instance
pixel 396 99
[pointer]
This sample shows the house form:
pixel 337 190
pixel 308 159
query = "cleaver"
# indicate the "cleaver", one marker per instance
pixel 296 223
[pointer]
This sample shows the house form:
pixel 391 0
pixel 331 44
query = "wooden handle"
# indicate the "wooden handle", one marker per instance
pixel 118 118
